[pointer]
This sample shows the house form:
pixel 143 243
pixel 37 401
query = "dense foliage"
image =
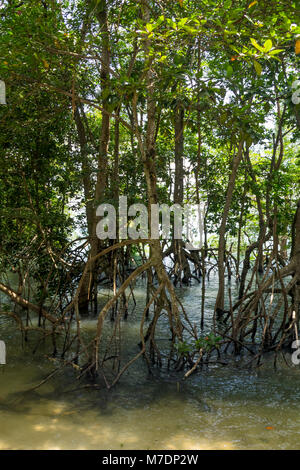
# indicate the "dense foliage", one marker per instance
pixel 162 101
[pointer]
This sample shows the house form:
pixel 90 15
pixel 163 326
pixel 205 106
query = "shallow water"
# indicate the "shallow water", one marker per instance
pixel 223 408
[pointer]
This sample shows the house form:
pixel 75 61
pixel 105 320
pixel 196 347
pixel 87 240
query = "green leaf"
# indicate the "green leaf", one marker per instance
pixel 227 4
pixel 189 29
pixel 275 51
pixel 229 71
pixel 268 45
pixel 258 68
pixel 149 27
pixel 255 44
pixel 182 22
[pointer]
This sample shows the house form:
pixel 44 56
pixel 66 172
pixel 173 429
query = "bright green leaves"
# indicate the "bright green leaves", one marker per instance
pixel 258 67
pixel 268 45
pixel 160 20
pixel 204 343
pixel 264 51
pixel 255 44
pixel 266 48
pixel 227 4
pixel 149 27
pixel 182 22
pixel 208 342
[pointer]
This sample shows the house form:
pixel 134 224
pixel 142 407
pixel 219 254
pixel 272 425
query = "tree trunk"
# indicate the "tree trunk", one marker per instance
pixel 90 278
pixel 219 307
pixel 181 263
pixel 147 149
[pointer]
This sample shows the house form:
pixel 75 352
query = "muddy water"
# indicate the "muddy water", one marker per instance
pixel 224 408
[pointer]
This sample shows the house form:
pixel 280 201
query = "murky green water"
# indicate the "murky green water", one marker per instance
pixel 223 408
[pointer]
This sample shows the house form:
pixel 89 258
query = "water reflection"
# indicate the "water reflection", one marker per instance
pixel 223 408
